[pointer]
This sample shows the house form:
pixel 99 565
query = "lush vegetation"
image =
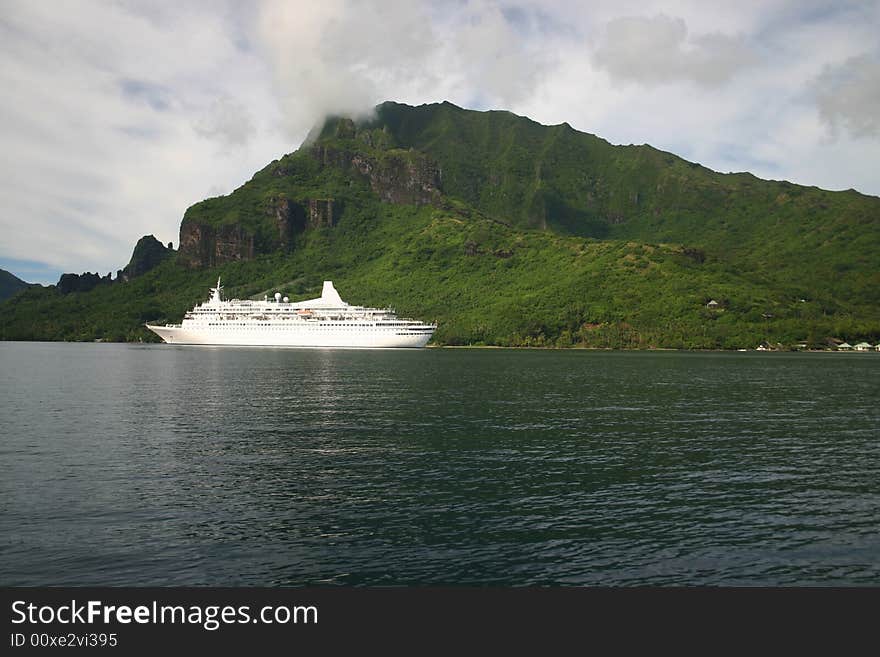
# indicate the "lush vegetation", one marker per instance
pixel 544 236
pixel 809 241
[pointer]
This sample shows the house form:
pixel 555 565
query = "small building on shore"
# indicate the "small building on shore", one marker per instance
pixel 863 346
pixel 844 346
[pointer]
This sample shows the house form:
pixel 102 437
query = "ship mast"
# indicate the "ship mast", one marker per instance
pixel 215 292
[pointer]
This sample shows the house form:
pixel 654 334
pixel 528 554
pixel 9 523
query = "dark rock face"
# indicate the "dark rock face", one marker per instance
pixel 232 242
pixel 148 253
pixel 202 245
pixel 396 176
pixel 290 219
pixel 401 177
pixel 192 247
pixel 323 213
pixel 81 282
pixel 293 217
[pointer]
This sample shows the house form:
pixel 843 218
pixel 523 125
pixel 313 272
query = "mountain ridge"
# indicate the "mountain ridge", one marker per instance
pixel 10 284
pixel 494 208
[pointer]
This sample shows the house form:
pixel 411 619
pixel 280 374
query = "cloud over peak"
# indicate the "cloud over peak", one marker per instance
pixel 345 56
pixel 658 49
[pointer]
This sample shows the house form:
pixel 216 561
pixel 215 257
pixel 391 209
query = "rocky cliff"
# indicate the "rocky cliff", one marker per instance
pixel 292 217
pixel 148 253
pixel 84 282
pixel 278 204
pixel 204 245
pixel 396 176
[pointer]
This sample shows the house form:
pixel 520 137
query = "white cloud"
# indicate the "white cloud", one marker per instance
pixel 848 96
pixel 762 118
pixel 492 59
pixel 228 121
pixel 657 49
pixel 112 122
pixel 345 56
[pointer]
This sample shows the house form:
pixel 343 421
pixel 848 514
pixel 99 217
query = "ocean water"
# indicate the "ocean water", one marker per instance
pixel 165 465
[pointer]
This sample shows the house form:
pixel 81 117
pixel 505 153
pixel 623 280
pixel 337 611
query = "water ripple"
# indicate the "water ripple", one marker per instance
pixel 155 465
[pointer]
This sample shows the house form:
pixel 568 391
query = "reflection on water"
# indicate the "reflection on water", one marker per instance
pixel 172 465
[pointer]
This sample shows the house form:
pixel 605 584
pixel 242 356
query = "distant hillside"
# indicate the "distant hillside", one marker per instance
pixel 509 232
pixel 812 241
pixel 10 284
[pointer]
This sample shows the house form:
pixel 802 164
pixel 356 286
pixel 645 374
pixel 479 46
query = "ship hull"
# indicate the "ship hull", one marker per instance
pixel 293 337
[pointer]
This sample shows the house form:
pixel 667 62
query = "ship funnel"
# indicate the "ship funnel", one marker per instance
pixel 215 292
pixel 330 295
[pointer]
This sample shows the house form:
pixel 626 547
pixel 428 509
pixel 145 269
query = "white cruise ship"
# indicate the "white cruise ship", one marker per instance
pixel 323 322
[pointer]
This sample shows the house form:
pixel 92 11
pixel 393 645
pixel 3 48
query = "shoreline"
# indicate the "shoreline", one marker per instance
pixel 733 351
pixel 468 346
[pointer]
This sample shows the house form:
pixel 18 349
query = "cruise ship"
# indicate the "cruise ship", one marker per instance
pixel 323 322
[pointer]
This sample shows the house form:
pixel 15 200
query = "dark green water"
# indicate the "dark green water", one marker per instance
pixel 161 465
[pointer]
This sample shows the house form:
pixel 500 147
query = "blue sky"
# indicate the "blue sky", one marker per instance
pixel 116 116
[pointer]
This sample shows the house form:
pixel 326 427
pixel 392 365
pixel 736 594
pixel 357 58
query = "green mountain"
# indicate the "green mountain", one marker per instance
pixel 509 232
pixel 10 284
